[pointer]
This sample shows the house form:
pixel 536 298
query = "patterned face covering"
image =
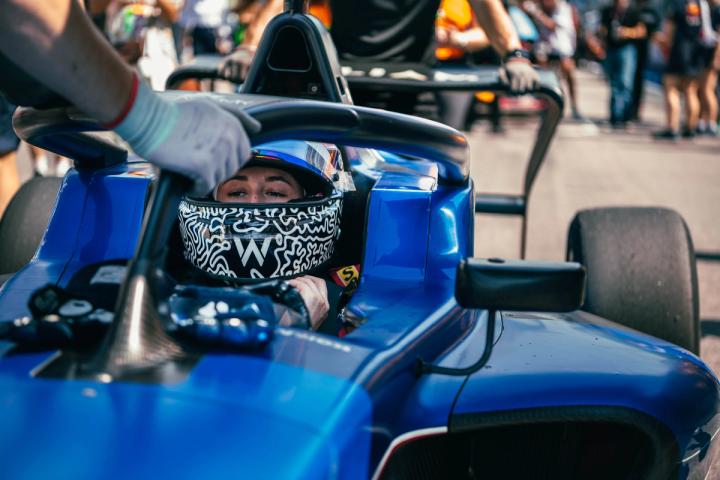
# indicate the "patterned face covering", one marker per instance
pixel 252 241
pixel 255 241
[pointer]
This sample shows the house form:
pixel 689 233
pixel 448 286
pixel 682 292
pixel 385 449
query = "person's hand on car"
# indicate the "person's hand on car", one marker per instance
pixel 193 137
pixel 314 293
pixel 519 75
pixel 235 66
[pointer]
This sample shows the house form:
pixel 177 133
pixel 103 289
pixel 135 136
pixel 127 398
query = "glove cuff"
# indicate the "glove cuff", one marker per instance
pixel 148 122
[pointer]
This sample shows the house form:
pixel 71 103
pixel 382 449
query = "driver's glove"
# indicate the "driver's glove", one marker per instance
pixel 193 137
pixel 519 75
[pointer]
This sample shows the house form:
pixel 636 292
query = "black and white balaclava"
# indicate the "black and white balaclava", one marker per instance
pixel 245 242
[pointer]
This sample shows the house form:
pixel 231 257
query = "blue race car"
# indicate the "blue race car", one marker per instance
pixel 456 367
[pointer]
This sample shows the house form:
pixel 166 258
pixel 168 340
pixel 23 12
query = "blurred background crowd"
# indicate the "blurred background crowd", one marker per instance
pixel 671 43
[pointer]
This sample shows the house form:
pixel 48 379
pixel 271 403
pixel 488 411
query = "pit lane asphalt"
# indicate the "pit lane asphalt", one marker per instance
pixel 590 165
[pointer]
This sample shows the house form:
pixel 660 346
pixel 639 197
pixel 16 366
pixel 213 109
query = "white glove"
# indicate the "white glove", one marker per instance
pixel 520 76
pixel 194 137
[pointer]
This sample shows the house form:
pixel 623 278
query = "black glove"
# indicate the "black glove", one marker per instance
pixel 235 66
pixel 519 75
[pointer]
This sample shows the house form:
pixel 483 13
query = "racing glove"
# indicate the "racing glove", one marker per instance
pixel 519 74
pixel 193 137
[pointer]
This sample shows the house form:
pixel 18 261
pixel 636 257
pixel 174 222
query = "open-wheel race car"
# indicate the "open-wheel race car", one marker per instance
pixel 454 367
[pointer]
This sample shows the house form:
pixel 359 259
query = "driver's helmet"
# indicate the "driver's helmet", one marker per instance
pixel 239 241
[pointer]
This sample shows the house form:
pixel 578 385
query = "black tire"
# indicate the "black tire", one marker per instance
pixel 23 224
pixel 640 270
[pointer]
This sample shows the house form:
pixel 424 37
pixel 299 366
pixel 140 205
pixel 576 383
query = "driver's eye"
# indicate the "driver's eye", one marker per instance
pixel 276 194
pixel 237 194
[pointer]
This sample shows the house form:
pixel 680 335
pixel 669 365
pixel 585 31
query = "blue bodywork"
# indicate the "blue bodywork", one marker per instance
pixel 313 406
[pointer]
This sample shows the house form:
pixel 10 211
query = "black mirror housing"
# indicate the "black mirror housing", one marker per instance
pixel 521 285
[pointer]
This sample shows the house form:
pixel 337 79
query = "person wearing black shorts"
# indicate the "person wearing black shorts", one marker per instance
pixel 649 17
pixel 681 34
pixel 707 81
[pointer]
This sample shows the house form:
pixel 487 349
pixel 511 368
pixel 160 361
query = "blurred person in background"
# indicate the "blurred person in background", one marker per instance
pixel 206 21
pixel 680 39
pixel 457 33
pixel 651 19
pixel 141 31
pixel 710 53
pixel 9 181
pixel 555 21
pixel 620 28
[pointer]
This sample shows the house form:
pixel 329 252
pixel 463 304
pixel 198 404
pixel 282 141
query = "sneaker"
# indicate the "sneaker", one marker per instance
pixel 710 130
pixel 577 116
pixel 666 134
pixel 687 133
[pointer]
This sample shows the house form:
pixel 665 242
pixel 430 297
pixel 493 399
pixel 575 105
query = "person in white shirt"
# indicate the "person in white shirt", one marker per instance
pixel 555 21
pixel 203 19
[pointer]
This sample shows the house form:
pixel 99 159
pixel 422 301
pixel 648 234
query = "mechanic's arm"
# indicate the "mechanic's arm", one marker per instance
pixel 254 32
pixel 517 72
pixel 235 66
pixel 170 10
pixel 55 42
pixel 498 26
pixel 470 40
pixel 96 7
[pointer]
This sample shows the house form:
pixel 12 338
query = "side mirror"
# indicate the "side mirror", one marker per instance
pixel 497 284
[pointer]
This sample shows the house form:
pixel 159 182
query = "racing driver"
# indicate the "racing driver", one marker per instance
pixel 278 217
